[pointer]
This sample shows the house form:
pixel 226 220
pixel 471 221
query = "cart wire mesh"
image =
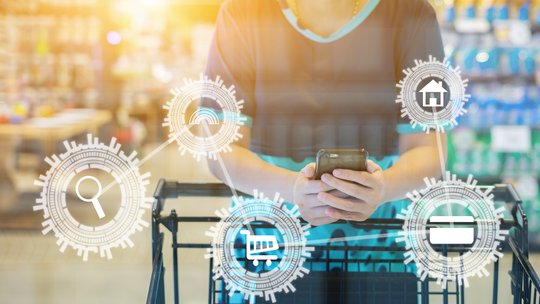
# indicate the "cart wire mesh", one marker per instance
pixel 336 276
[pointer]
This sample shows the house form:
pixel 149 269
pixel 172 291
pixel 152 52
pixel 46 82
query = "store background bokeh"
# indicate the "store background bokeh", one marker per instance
pixel 123 56
pixel 497 46
pixel 68 67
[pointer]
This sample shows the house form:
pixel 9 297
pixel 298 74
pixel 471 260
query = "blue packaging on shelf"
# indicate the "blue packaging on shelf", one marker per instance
pixel 470 12
pixel 502 12
pixel 524 12
pixel 490 13
pixel 450 14
pixel 488 60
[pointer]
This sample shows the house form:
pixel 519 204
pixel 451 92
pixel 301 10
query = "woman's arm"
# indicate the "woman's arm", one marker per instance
pixel 245 171
pixel 421 156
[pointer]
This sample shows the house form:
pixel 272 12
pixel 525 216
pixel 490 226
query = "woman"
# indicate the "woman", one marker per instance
pixel 322 74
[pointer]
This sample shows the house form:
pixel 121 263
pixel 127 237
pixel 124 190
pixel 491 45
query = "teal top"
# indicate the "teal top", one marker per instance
pixel 350 26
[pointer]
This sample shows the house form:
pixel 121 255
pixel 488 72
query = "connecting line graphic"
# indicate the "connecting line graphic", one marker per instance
pixel 225 171
pixel 220 161
pixel 364 237
pixel 443 164
pixel 149 156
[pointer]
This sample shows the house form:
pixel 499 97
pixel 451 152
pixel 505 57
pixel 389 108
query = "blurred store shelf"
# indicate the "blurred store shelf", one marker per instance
pixel 497 46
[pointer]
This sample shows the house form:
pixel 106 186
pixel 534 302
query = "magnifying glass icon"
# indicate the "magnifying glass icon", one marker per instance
pixel 94 199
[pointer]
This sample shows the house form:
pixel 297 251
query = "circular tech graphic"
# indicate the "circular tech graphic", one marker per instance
pixel 433 95
pixel 478 236
pixel 227 120
pixel 80 164
pixel 279 256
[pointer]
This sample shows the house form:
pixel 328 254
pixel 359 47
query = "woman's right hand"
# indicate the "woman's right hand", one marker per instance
pixel 305 197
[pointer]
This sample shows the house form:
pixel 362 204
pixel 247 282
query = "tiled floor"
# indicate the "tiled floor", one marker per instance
pixel 33 271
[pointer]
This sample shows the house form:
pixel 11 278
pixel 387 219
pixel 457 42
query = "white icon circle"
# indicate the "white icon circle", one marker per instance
pixel 419 238
pixel 424 115
pixel 228 265
pixel 94 200
pixel 65 168
pixel 227 118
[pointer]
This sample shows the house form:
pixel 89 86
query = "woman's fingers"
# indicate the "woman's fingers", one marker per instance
pixel 338 193
pixel 317 216
pixel 311 201
pixel 316 212
pixel 349 188
pixel 360 177
pixel 309 170
pixel 373 167
pixel 316 186
pixel 353 205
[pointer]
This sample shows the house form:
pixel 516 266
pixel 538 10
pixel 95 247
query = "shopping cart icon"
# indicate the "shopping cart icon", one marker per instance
pixel 256 245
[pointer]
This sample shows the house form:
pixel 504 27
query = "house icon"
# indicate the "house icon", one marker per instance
pixel 436 93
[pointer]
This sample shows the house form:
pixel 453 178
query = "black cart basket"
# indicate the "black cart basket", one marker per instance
pixel 397 285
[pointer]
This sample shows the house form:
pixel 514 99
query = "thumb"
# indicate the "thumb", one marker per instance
pixel 373 167
pixel 309 170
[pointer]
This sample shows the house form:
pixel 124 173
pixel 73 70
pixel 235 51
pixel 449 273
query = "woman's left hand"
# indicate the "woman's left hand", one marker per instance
pixel 366 191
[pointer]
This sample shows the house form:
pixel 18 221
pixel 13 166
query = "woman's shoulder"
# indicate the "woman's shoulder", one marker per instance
pixel 413 6
pixel 405 11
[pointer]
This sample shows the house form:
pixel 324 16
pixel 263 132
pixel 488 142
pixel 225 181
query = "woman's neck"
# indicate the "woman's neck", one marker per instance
pixel 324 17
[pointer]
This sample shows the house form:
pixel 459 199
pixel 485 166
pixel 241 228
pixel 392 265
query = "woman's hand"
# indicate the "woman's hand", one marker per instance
pixel 366 191
pixel 305 194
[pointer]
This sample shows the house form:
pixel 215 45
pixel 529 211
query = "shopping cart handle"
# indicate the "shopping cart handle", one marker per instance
pixel 506 193
pixel 173 189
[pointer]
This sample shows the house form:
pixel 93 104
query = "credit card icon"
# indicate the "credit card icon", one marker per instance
pixel 451 235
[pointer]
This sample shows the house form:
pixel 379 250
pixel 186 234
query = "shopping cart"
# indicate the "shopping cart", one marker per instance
pixel 397 285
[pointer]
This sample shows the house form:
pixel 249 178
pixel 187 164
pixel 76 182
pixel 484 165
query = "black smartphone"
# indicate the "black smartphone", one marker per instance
pixel 350 159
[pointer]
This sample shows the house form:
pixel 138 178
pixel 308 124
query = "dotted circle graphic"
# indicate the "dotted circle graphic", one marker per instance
pixel 287 225
pixel 444 194
pixel 180 126
pixel 426 118
pixel 127 220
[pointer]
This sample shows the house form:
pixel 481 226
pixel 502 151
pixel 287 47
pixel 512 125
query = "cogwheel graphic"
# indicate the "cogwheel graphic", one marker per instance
pixel 431 115
pixel 180 124
pixel 78 159
pixel 241 278
pixel 472 200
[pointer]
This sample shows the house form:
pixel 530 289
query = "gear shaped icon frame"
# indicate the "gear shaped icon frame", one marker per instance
pixel 57 217
pixel 179 125
pixel 442 193
pixel 430 120
pixel 295 250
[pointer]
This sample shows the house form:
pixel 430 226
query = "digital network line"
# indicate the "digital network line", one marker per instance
pixel 149 156
pixel 442 160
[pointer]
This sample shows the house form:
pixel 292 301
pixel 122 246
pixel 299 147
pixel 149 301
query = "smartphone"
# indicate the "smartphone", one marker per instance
pixel 350 159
